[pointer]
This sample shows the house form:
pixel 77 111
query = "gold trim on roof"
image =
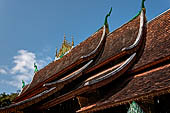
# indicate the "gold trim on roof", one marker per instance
pixel 66 46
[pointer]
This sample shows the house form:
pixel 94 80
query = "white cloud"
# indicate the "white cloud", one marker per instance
pixel 24 62
pixel 24 67
pixel 3 71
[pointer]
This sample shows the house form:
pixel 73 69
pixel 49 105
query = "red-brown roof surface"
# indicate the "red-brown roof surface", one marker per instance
pixel 119 39
pixel 157 40
pixel 58 67
pixel 115 42
pixel 83 48
pixel 121 36
pixel 151 82
pixel 156 80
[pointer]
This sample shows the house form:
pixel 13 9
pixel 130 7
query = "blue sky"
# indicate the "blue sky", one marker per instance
pixel 30 30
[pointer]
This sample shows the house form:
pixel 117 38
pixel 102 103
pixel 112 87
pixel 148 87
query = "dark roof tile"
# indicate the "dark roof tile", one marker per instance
pixel 157 40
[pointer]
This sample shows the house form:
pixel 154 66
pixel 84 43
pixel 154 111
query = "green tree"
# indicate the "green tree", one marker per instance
pixel 6 99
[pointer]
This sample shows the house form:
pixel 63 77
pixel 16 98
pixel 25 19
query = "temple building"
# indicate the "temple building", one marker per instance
pixel 123 71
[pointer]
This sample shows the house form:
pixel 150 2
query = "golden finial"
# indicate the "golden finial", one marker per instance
pixel 64 37
pixel 56 52
pixel 72 41
pixel 66 46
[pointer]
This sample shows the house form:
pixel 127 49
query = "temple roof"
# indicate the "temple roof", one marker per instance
pixel 142 86
pixel 115 42
pixel 136 52
pixel 103 77
pixel 24 88
pixel 61 66
pixel 150 74
pixel 122 37
pixel 157 40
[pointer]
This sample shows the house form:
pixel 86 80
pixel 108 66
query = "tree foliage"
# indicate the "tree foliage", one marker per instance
pixel 6 99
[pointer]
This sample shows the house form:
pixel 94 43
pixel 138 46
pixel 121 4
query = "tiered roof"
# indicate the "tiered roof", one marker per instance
pixel 150 76
pixel 103 77
pixel 62 66
pixel 135 53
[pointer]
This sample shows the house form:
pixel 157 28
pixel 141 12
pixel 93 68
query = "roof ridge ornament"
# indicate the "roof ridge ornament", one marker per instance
pixel 72 43
pixel 142 8
pixel 64 38
pixel 35 68
pixel 140 32
pixel 23 84
pixel 65 48
pixel 105 21
pixel 143 5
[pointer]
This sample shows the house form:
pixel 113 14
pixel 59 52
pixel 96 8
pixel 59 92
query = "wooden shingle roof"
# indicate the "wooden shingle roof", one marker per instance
pixel 150 76
pixel 63 65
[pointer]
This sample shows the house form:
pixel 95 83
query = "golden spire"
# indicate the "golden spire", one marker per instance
pixel 72 41
pixel 64 37
pixel 65 47
pixel 56 52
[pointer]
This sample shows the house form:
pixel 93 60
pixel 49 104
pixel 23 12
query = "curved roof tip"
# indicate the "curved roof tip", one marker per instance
pixel 105 21
pixel 143 5
pixel 142 8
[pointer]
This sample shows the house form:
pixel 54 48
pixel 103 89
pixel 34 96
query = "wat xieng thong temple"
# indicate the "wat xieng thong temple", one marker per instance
pixel 123 71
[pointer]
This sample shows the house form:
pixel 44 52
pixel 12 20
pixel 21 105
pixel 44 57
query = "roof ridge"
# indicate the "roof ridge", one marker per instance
pixel 147 22
pixel 159 15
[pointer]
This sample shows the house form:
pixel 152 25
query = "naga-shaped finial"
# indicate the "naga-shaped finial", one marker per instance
pixel 105 22
pixel 23 84
pixel 35 68
pixel 142 8
pixel 143 5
